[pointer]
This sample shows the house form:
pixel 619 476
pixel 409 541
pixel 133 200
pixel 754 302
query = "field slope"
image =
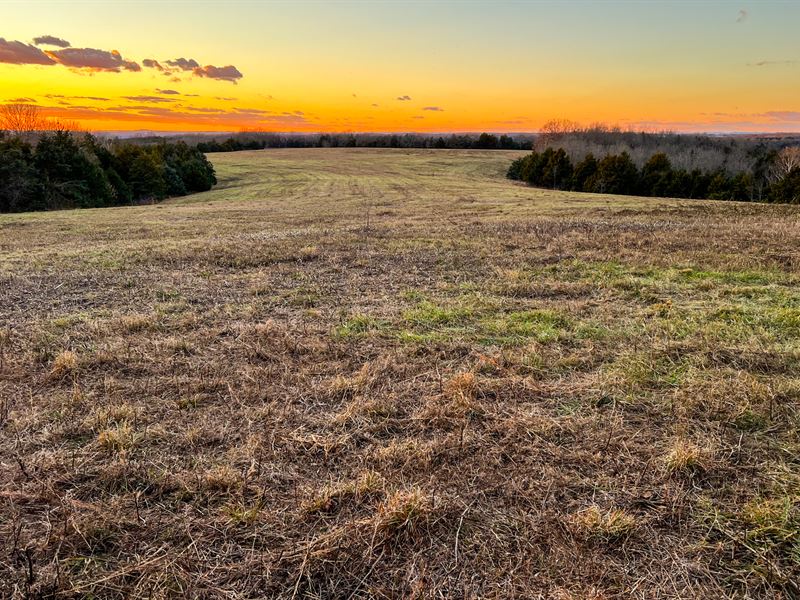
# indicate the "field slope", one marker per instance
pixel 383 373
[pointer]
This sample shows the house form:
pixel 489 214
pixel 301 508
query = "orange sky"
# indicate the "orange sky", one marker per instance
pixel 404 66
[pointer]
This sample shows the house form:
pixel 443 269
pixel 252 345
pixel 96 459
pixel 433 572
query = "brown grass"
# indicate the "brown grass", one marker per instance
pixel 484 391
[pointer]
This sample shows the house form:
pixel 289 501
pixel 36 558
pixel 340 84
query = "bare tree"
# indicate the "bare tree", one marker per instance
pixel 555 129
pixel 785 162
pixel 27 121
pixel 21 119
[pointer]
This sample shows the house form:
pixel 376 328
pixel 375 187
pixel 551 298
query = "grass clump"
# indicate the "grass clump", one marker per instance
pixel 404 512
pixel 596 524
pixel 111 415
pixel 406 454
pixel 368 486
pixel 221 479
pixel 136 323
pixel 685 457
pixel 64 364
pixel 117 439
pixel 356 327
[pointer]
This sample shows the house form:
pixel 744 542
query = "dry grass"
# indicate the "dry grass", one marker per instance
pixel 687 457
pixel 604 525
pixel 483 391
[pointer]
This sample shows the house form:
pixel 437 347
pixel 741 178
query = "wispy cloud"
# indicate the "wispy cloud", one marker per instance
pixel 742 16
pixel 433 108
pixel 153 99
pixel 51 40
pixel 404 98
pixel 199 116
pixel 253 111
pixel 62 96
pixel 775 63
pixel 781 115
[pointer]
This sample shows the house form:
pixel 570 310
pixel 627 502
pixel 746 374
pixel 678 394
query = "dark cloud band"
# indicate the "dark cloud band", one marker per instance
pixel 18 53
pixel 96 60
pixel 93 59
pixel 228 73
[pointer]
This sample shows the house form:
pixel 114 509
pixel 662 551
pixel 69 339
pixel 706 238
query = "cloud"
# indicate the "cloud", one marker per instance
pixel 286 119
pixel 97 98
pixel 228 73
pixel 51 40
pixel 404 98
pixel 742 16
pixel 151 63
pixel 21 101
pixel 201 109
pixel 184 64
pixel 375 105
pixel 254 111
pixel 225 98
pixel 771 115
pixel 418 117
pixel 154 99
pixel 196 115
pixel 169 92
pixel 781 115
pixel 770 63
pixel 93 59
pixel 433 108
pixel 96 60
pixel 17 53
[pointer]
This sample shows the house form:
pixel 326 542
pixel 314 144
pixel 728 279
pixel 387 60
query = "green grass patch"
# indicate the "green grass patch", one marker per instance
pixel 357 326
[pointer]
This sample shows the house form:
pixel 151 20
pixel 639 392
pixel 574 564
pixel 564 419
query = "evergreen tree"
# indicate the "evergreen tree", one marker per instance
pixel 657 177
pixel 616 174
pixel 583 174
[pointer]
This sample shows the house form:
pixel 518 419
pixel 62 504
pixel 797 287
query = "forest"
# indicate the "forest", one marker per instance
pixel 611 161
pixel 63 169
pixel 466 141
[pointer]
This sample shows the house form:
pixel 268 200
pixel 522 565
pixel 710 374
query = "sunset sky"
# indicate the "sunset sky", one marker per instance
pixel 404 66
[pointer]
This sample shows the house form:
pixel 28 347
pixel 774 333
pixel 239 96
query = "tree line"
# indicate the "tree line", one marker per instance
pixel 731 152
pixel 260 141
pixel 64 169
pixel 773 177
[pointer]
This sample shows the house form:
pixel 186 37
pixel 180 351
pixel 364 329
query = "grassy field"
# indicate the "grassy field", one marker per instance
pixel 383 374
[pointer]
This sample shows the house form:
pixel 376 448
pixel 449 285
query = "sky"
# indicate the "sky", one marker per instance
pixel 391 66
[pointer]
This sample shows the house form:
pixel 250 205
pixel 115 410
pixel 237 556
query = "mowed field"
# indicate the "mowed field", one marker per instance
pixel 396 374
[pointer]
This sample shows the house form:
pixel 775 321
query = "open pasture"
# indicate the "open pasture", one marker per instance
pixel 353 373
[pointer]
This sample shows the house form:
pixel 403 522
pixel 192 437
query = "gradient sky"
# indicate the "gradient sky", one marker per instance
pixel 406 66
